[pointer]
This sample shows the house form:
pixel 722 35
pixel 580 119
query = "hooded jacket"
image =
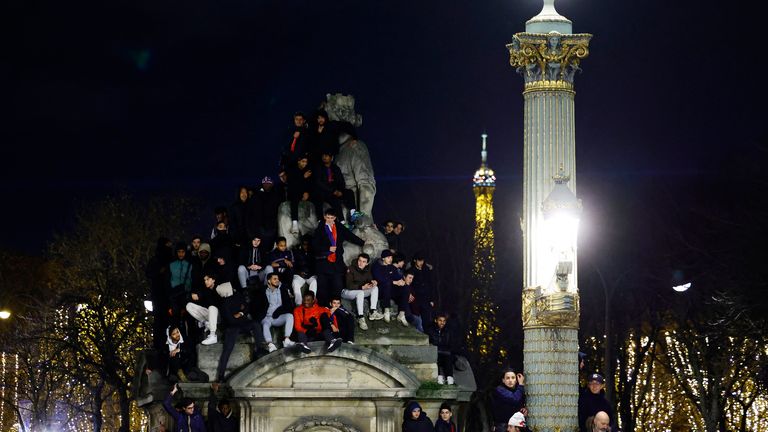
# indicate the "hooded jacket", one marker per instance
pixel 422 424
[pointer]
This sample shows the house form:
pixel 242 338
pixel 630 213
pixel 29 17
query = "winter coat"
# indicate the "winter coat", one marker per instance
pixel 422 424
pixel 184 422
pixel 321 244
pixel 356 277
pixel 444 339
pixel 217 421
pixel 506 401
pixel 445 426
pixel 328 179
pixel 309 318
pixel 590 404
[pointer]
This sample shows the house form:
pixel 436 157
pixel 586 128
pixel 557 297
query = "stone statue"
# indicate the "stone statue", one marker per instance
pixel 356 167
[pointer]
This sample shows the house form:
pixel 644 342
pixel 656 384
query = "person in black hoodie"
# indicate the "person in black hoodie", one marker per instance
pixel 330 188
pixel 443 338
pixel 328 244
pixel 297 142
pixel 233 311
pixel 299 184
pixel 592 400
pixel 238 224
pixel 204 307
pixel 220 418
pixel 250 269
pixel 303 269
pixel 159 278
pixel 416 420
pixel 324 137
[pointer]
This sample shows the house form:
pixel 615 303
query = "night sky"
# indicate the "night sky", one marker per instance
pixel 194 96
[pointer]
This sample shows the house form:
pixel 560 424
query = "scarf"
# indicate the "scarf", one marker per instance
pixel 332 237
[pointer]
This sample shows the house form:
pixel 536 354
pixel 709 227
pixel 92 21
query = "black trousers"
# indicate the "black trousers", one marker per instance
pixel 230 338
pixel 347 199
pixel 328 284
pixel 312 334
pixel 445 364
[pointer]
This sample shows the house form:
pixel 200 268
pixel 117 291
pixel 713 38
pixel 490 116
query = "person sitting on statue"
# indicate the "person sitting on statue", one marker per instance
pixel 342 321
pixel 313 322
pixel 384 274
pixel 181 357
pixel 273 307
pixel 280 260
pixel 423 286
pixel 446 342
pixel 297 142
pixel 329 187
pixel 299 183
pixel 250 271
pixel 303 269
pixel 361 284
pixel 508 398
pixel 324 137
pixel 204 308
pixel 180 283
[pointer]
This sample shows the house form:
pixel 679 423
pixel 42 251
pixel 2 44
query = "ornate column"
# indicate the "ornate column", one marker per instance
pixel 548 55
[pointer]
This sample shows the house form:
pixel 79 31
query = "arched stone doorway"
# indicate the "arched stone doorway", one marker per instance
pixel 321 425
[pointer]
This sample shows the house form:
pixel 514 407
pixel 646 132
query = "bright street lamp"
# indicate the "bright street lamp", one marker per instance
pixel 682 288
pixel 5 314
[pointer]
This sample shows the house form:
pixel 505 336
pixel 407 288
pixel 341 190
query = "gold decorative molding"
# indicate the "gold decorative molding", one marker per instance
pixel 547 85
pixel 538 314
pixel 550 57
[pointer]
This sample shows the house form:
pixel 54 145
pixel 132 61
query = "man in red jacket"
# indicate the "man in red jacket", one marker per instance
pixel 313 322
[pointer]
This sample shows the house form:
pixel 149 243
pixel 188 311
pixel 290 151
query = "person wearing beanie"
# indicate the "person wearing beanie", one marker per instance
pixel 416 420
pixel 444 423
pixel 517 423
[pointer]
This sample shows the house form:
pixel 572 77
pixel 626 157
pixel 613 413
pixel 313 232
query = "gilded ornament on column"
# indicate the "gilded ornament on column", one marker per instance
pixel 548 60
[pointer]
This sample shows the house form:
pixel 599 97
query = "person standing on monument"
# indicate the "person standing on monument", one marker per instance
pixel 299 182
pixel 328 244
pixel 330 188
pixel 297 142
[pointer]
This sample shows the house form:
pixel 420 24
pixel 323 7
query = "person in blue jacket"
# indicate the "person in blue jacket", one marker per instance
pixel 507 399
pixel 190 418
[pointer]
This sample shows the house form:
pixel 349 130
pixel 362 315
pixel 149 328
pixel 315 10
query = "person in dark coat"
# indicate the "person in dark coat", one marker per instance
pixel 324 137
pixel 269 196
pixel 328 244
pixel 443 338
pixel 233 312
pixel 330 188
pixel 444 422
pixel 190 418
pixel 592 400
pixel 299 183
pixel 238 224
pixel 423 287
pixel 303 268
pixel 159 279
pixel 220 418
pixel 508 398
pixel 297 142
pixel 416 420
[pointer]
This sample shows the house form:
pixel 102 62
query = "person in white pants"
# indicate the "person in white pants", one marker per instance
pixel 361 284
pixel 204 308
pixel 275 308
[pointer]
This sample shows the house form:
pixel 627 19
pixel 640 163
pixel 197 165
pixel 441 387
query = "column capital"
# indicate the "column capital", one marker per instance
pixel 548 61
pixel 543 311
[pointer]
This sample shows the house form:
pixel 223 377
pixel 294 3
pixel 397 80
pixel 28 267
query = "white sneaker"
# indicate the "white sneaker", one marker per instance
pixel 287 343
pixel 449 380
pixel 271 347
pixel 210 340
pixel 387 315
pixel 375 315
pixel 362 323
pixel 401 318
pixel 440 379
pixel 295 227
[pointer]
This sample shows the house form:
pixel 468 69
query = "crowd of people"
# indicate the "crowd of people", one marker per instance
pixel 243 276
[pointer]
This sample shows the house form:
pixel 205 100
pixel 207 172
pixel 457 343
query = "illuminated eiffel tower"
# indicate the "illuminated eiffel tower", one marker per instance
pixel 483 336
